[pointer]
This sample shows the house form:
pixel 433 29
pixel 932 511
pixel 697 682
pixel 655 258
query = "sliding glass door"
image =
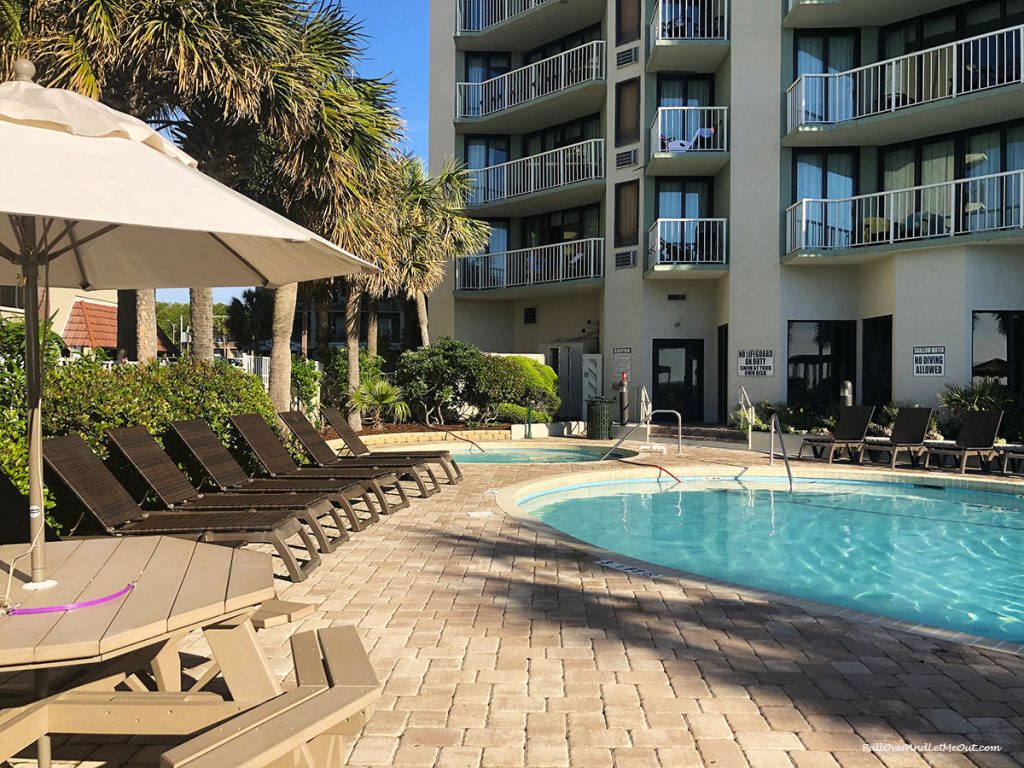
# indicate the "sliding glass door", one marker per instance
pixel 827 175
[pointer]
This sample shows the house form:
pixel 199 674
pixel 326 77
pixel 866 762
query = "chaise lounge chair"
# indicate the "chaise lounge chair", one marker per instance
pixel 274 457
pixel 849 435
pixel 87 477
pixel 359 449
pixel 978 433
pixel 227 474
pixel 908 434
pixel 174 490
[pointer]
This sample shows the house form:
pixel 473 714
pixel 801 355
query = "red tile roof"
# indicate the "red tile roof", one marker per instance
pixel 94 325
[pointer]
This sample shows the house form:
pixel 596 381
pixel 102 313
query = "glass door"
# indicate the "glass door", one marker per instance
pixel 678 378
pixel 876 352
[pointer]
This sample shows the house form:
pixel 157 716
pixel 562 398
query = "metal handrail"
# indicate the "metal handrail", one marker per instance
pixel 747 404
pixel 647 416
pixel 776 424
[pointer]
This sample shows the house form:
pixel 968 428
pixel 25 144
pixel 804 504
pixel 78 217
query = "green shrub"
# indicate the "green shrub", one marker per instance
pixel 510 413
pixel 306 382
pixel 792 418
pixel 513 379
pixel 541 384
pixel 980 395
pixel 439 380
pixel 334 383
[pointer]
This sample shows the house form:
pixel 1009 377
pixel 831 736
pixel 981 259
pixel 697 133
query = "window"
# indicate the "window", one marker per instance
pixel 627 214
pixel 485 151
pixel 627 21
pixel 945 26
pixel 828 175
pixel 481 67
pixel 827 52
pixel 12 296
pixel 683 198
pixel 529 315
pixel 562 226
pixel 498 242
pixel 998 349
pixel 562 135
pixel 567 43
pixel 876 353
pixel 627 112
pixel 822 355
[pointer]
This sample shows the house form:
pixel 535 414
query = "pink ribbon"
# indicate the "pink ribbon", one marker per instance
pixel 71 606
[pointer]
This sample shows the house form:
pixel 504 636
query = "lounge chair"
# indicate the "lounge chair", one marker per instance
pixel 978 433
pixel 274 457
pixel 1012 456
pixel 174 490
pixel 87 477
pixel 227 474
pixel 359 449
pixel 908 434
pixel 849 435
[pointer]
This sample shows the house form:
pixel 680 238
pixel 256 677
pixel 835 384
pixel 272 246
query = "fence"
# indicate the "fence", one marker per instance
pixel 576 260
pixel 690 20
pixel 569 165
pixel 688 241
pixel 479 15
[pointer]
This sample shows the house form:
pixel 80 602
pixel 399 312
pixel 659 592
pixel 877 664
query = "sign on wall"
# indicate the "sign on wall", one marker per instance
pixel 757 362
pixel 622 361
pixel 930 361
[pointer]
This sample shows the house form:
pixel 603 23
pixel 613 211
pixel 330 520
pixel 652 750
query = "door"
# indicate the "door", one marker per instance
pixel 723 374
pixel 678 378
pixel 876 350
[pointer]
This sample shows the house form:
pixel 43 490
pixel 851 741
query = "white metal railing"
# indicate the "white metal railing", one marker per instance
pixel 679 130
pixel 690 20
pixel 480 15
pixel 576 260
pixel 944 72
pixel 688 241
pixel 583 64
pixel 965 206
pixel 555 168
pixel 258 365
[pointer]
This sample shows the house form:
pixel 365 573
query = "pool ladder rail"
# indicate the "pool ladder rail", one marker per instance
pixel 776 425
pixel 646 416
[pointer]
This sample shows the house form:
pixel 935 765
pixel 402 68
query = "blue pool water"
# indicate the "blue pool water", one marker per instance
pixel 534 455
pixel 941 557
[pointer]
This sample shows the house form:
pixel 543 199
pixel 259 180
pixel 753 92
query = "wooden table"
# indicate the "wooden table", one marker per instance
pixel 179 585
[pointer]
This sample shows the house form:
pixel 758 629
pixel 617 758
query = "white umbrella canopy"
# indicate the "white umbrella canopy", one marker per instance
pixel 99 200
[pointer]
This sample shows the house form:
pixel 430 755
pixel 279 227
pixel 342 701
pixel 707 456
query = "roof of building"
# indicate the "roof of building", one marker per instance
pixel 94 325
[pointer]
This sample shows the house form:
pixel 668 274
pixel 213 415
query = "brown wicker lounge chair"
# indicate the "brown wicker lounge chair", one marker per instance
pixel 908 434
pixel 359 449
pixel 227 474
pixel 87 477
pixel 1012 456
pixel 849 435
pixel 324 456
pixel 273 455
pixel 174 490
pixel 978 433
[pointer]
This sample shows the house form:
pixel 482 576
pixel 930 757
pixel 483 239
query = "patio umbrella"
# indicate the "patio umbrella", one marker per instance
pixel 96 199
pixel 996 368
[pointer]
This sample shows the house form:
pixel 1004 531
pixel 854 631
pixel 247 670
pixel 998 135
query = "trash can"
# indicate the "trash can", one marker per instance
pixel 599 418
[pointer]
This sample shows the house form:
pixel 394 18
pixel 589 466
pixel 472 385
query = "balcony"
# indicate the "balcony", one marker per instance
pixel 856 13
pixel 503 25
pixel 688 35
pixel 689 141
pixel 560 178
pixel 952 87
pixel 572 266
pixel 523 99
pixel 856 229
pixel 691 248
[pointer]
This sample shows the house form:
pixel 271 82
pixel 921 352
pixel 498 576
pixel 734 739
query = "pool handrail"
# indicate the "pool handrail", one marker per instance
pixel 776 424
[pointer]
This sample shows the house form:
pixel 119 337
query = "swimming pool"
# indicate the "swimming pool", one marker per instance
pixel 946 558
pixel 530 455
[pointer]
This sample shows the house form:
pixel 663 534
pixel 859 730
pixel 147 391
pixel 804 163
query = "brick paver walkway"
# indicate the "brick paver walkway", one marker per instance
pixel 502 646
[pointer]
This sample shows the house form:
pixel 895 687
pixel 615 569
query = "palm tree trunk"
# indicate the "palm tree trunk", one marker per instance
pixel 372 329
pixel 421 313
pixel 352 306
pixel 281 349
pixel 145 320
pixel 323 330
pixel 201 304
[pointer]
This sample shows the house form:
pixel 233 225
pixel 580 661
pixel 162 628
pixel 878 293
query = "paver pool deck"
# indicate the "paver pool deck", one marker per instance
pixel 502 644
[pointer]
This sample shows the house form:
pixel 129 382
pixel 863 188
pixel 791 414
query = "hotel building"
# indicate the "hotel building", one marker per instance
pixel 716 194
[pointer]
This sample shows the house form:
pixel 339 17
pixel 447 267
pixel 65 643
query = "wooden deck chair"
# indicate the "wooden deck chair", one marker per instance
pixel 72 460
pixel 978 433
pixel 908 434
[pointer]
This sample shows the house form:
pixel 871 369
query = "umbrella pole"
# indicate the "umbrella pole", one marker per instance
pixel 34 381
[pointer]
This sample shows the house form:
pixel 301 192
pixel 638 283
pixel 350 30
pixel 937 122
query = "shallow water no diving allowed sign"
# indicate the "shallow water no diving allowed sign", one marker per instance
pixel 930 361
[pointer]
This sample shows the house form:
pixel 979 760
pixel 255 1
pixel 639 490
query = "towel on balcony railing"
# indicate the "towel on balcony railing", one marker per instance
pixel 670 144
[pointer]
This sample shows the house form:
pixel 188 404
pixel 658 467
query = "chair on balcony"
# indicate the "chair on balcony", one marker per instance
pixel 703 138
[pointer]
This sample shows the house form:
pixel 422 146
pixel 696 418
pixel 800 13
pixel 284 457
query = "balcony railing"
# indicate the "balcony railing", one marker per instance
pixel 688 241
pixel 548 170
pixel 679 130
pixel 680 20
pixel 480 15
pixel 945 72
pixel 574 67
pixel 966 206
pixel 576 260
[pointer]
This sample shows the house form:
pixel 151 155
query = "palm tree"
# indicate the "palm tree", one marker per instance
pixel 201 305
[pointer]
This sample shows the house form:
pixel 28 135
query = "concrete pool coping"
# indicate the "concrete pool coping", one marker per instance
pixel 507 500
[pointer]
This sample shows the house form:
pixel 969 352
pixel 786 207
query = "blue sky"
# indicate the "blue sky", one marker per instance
pixel 396 50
